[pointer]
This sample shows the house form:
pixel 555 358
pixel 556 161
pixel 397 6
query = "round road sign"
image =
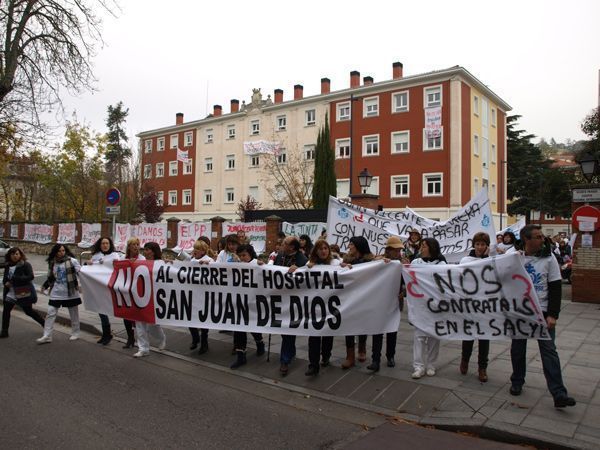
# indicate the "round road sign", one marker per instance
pixel 113 196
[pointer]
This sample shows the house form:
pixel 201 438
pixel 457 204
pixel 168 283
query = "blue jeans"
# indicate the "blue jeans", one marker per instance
pixel 550 363
pixel 288 348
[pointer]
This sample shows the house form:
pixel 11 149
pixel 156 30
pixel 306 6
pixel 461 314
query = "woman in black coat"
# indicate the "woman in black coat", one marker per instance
pixel 18 288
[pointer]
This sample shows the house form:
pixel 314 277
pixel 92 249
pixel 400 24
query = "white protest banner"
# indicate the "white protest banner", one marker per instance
pixel 188 233
pixel 14 231
pixel 182 155
pixel 150 232
pixel 121 236
pixel 90 233
pixel 433 122
pixel 255 231
pixel 515 228
pixel 321 301
pixel 42 234
pixel 257 147
pixel 66 233
pixel 490 298
pixel 311 229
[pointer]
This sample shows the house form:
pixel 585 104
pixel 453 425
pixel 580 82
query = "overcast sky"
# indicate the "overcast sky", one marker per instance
pixel 163 57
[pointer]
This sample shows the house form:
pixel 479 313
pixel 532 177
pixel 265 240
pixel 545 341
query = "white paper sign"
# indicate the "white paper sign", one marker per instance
pixel 67 233
pixel 188 233
pixel 433 122
pixel 14 231
pixel 90 233
pixel 255 231
pixel 311 229
pixel 145 232
pixel 587 240
pixel 40 233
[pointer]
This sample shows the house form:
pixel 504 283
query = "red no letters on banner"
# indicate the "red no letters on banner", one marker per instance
pixel 132 290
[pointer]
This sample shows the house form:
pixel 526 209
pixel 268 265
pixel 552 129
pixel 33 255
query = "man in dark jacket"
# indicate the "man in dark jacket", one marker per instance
pixel 291 257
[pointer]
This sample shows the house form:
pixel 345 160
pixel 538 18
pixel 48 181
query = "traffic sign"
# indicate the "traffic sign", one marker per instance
pixel 113 210
pixel 113 196
pixel 586 195
pixel 586 218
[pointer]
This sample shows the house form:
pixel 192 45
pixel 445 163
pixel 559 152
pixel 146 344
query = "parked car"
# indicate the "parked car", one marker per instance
pixel 3 250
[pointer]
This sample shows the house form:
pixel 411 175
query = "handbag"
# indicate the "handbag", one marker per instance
pixel 22 292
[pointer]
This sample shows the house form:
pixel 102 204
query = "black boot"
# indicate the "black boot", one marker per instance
pixel 4 334
pixel 374 366
pixel 260 348
pixel 312 371
pixel 240 361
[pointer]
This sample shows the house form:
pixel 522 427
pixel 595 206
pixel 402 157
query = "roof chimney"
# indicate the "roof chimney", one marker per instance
pixel 235 105
pixel 325 85
pixel 178 118
pixel 298 91
pixel 367 81
pixel 278 95
pixel 354 79
pixel 397 70
pixel 217 110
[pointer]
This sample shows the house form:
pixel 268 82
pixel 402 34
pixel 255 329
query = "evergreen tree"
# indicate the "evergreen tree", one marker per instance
pixel 117 151
pixel 324 178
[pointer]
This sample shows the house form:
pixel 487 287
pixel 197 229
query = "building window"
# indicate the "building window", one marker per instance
pixel 161 144
pixel 282 157
pixel 309 152
pixel 548 216
pixel 433 96
pixel 188 138
pixel 476 145
pixel 160 198
pixel 343 111
pixel 207 197
pixel 493 194
pixel 186 195
pixel 229 195
pixel 432 185
pixel 343 188
pixel 370 145
pixel 308 190
pixel 401 142
pixel 433 143
pixel 400 186
pixel 371 107
pixel 476 105
pixel 400 102
pixel 230 162
pixel 148 145
pixel 493 154
pixel 255 127
pixel 160 170
pixel 208 164
pixel 174 141
pixel 188 167
pixel 493 117
pixel 230 131
pixel 173 168
pixel 281 123
pixel 475 185
pixel 342 148
pixel 311 117
pixel 209 135
pixel 253 192
pixel 254 161
pixel 148 171
pixel 172 198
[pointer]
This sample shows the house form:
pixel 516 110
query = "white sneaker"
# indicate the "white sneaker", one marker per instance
pixel 430 372
pixel 73 337
pixel 140 354
pixel 163 344
pixel 44 340
pixel 418 373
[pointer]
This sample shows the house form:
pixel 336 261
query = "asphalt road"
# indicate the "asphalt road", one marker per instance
pixel 78 395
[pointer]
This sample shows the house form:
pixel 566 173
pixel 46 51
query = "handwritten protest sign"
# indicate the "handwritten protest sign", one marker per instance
pixel 14 231
pixel 145 232
pixel 188 233
pixel 67 233
pixel 90 233
pixel 311 229
pixel 255 231
pixel 321 301
pixel 42 234
pixel 490 298
pixel 433 122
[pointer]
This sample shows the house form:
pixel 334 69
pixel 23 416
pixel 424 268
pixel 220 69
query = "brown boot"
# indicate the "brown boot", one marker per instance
pixel 362 352
pixel 483 375
pixel 350 356
pixel 464 366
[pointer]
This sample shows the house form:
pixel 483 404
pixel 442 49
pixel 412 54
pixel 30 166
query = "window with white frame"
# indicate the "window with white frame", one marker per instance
pixel 371 145
pixel 342 148
pixel 310 116
pixel 309 152
pixel 188 167
pixel 476 145
pixel 281 123
pixel 209 135
pixel 161 144
pixel 371 107
pixel 493 117
pixel 475 105
pixel 400 141
pixel 254 161
pixel 493 194
pixel 172 198
pixel 475 185
pixel 188 138
pixel 147 170
pixel 253 192
pixel 432 185
pixel 230 131
pixel 400 186
pixel 400 102
pixel 229 195
pixel 186 197
pixel 343 111
pixel 433 96
pixel 173 168
pixel 173 141
pixel 431 142
pixel 493 154
pixel 548 216
pixel 230 162
pixel 207 199
pixel 343 187
pixel 160 198
pixel 282 157
pixel 148 145
pixel 160 170
pixel 255 127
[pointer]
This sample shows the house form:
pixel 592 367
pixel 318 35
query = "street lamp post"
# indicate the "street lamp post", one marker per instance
pixel 589 166
pixel 502 205
pixel 365 179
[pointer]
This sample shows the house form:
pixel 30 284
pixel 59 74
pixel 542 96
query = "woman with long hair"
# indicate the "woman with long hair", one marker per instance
pixel 18 288
pixel 132 253
pixel 63 285
pixel 306 245
pixel 201 254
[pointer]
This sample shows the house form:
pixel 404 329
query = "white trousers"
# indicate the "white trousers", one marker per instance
pixel 143 331
pixel 51 318
pixel 425 350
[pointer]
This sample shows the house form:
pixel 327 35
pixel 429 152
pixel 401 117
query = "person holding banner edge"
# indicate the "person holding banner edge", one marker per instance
pixel 201 254
pixel 132 253
pixel 544 272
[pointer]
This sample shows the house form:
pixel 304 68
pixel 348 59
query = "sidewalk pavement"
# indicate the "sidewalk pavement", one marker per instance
pixel 447 400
